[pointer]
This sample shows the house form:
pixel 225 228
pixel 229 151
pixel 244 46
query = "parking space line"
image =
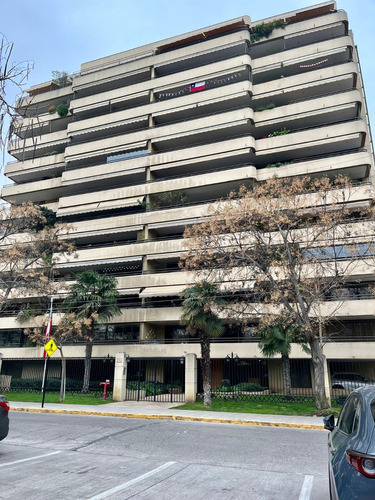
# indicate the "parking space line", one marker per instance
pixel 306 488
pixel 29 459
pixel 123 486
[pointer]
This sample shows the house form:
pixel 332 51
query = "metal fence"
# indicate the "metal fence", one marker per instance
pixel 262 380
pixel 345 376
pixel 25 375
pixel 159 379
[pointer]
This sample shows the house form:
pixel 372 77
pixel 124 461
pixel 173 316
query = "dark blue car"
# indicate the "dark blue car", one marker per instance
pixel 351 447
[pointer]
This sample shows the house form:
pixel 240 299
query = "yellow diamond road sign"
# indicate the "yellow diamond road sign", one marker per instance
pixel 50 347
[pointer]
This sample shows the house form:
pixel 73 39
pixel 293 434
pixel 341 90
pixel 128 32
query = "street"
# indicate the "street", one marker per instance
pixel 51 456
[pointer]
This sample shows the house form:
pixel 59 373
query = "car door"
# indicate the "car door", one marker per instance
pixel 340 439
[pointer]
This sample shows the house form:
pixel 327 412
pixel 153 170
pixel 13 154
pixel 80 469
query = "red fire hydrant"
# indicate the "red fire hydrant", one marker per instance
pixel 105 384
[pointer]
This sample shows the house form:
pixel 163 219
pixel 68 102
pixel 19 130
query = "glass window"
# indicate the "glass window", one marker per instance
pixel 348 419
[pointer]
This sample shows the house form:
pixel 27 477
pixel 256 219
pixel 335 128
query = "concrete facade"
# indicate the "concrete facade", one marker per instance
pixel 188 117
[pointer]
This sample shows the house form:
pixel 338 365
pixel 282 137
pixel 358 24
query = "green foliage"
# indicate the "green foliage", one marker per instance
pixel 62 109
pixel 248 387
pixel 197 312
pixel 168 199
pixel 51 153
pixel 269 106
pixel 26 313
pixel 283 131
pixel 142 204
pixel 151 388
pixel 264 30
pixel 277 164
pixel 50 220
pixel 93 294
pixel 52 109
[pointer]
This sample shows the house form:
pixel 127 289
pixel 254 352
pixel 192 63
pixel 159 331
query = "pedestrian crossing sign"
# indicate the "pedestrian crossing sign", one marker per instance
pixel 50 347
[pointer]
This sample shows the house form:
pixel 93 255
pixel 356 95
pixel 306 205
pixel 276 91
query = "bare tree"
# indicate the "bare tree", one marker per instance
pixel 13 77
pixel 30 248
pixel 281 249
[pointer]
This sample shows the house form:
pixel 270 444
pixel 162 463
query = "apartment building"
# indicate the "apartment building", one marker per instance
pixel 154 134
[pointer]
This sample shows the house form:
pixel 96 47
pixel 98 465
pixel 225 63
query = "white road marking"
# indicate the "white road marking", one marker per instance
pixel 120 487
pixel 306 488
pixel 31 458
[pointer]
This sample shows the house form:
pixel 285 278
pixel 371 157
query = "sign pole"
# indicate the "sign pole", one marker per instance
pixel 46 355
pixel 45 380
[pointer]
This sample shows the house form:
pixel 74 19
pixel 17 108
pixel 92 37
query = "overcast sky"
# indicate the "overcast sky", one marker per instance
pixel 62 34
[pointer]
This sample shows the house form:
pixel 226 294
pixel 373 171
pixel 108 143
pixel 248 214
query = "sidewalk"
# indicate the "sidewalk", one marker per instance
pixel 165 411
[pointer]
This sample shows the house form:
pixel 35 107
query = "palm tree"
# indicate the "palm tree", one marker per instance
pixel 278 339
pixel 93 300
pixel 201 320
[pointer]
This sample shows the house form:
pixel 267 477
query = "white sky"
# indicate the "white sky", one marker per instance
pixel 62 34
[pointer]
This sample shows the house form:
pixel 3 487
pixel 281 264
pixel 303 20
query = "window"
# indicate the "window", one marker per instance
pixel 349 416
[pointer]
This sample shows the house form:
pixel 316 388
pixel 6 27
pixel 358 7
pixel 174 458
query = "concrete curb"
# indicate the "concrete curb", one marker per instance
pixel 185 418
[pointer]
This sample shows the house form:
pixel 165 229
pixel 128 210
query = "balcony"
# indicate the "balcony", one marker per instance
pixel 333 108
pixel 39 191
pixel 304 32
pixel 199 188
pixel 39 103
pixel 356 165
pixel 191 105
pixel 318 82
pixel 97 228
pixel 123 98
pixel 139 65
pixel 47 144
pixel 35 168
pixel 316 141
pixel 208 129
pixel 302 60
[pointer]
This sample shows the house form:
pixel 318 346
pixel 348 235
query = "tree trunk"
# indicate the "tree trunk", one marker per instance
pixel 206 369
pixel 318 361
pixel 286 375
pixel 86 376
pixel 63 376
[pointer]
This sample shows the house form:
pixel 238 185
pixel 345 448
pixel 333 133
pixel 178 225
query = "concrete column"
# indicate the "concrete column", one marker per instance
pixel 327 384
pixel 191 378
pixel 119 384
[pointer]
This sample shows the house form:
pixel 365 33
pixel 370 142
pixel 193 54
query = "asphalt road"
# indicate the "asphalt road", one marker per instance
pixel 49 456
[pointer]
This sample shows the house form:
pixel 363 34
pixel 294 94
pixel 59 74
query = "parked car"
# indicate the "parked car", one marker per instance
pixel 351 447
pixel 4 419
pixel 350 381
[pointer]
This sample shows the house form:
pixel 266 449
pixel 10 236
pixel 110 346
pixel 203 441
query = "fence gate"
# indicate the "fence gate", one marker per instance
pixel 158 379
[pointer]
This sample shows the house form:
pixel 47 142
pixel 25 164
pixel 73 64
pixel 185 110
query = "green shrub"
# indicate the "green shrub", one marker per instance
pixel 283 131
pixel 168 199
pixel 224 388
pixel 62 109
pixel 271 105
pixel 264 30
pixel 151 388
pixel 248 386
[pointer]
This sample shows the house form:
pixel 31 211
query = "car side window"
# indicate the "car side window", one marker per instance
pixel 348 419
